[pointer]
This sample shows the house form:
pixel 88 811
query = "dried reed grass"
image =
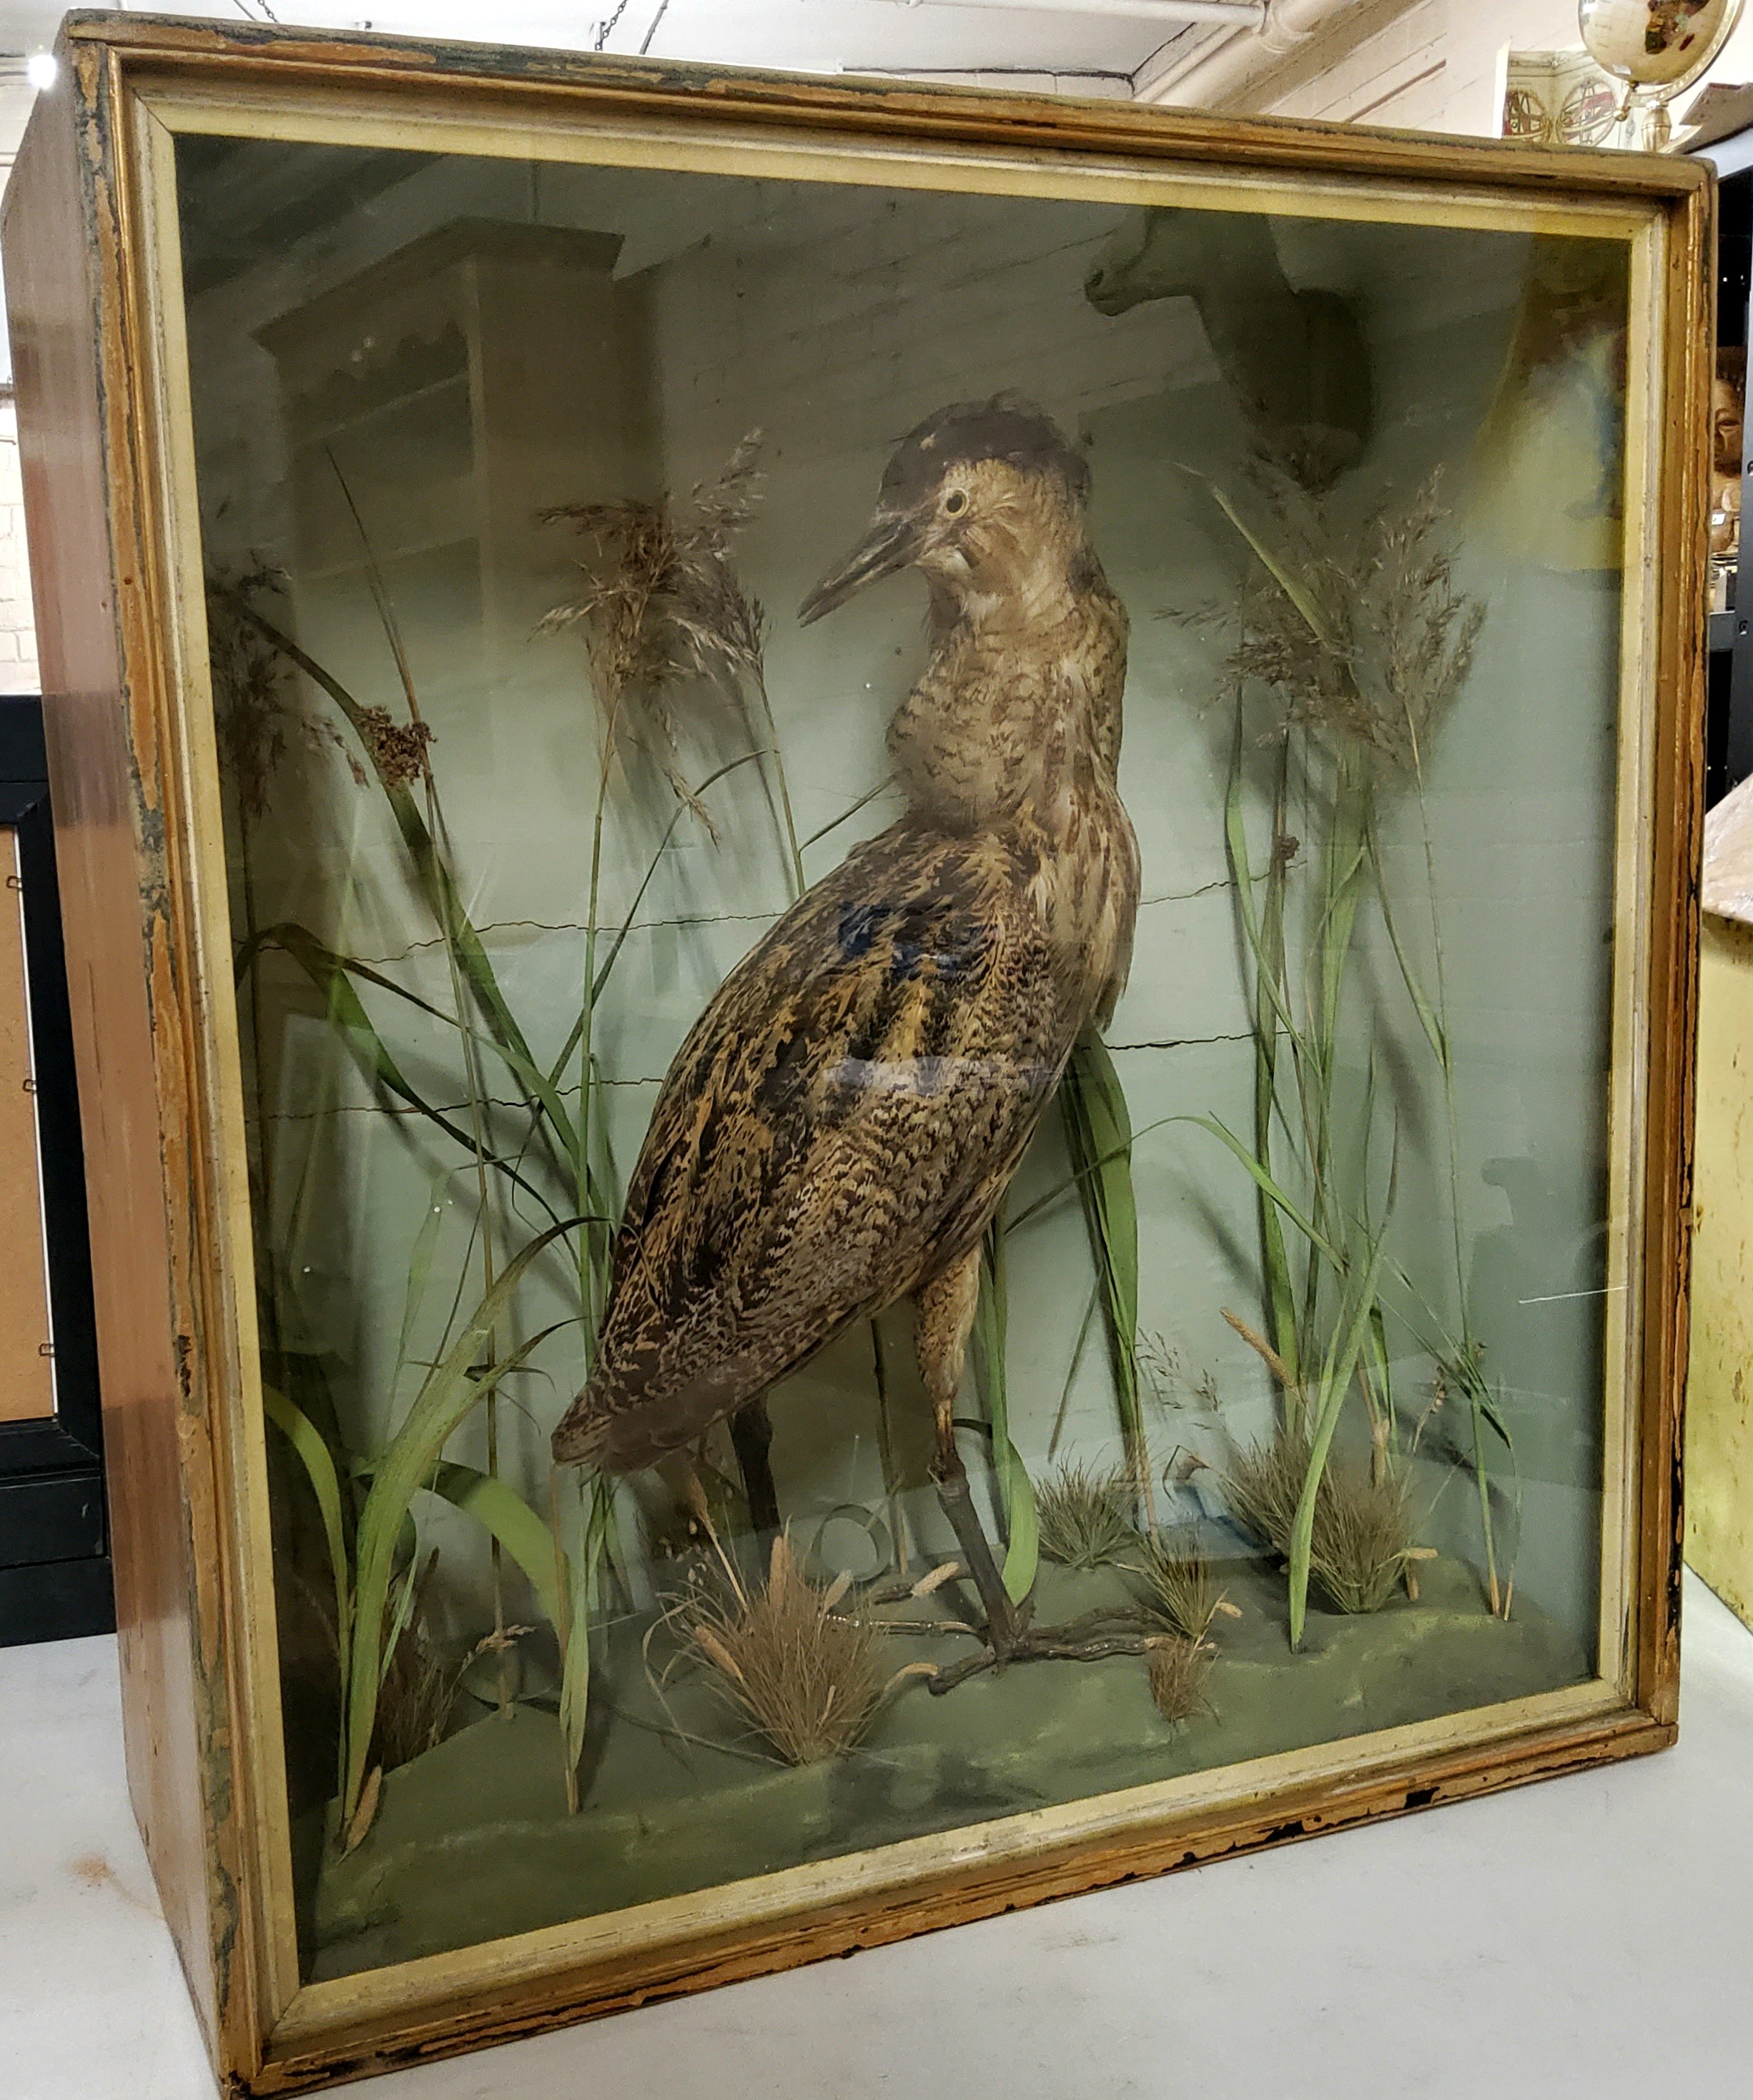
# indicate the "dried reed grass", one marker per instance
pixel 1086 1517
pixel 418 1691
pixel 809 1679
pixel 661 603
pixel 415 1700
pixel 253 712
pixel 1362 1541
pixel 1367 644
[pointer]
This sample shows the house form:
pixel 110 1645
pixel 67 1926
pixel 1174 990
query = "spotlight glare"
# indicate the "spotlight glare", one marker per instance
pixel 40 70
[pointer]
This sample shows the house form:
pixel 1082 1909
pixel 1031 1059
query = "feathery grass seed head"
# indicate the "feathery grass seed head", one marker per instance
pixel 1366 644
pixel 659 602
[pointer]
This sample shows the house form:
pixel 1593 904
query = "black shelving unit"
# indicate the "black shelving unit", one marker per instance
pixel 55 1573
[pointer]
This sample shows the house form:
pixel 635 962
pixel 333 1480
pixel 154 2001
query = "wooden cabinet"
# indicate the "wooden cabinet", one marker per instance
pixel 440 468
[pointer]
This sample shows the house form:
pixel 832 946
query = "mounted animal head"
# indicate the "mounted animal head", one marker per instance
pixel 1162 252
pixel 1295 362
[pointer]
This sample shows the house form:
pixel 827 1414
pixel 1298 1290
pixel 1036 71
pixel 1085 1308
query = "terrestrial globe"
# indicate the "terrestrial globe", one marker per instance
pixel 1656 45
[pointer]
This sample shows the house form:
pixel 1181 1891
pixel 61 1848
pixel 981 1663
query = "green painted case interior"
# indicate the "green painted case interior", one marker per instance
pixel 509 793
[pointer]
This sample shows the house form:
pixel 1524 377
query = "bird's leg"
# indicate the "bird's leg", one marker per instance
pixel 946 1313
pixel 752 1440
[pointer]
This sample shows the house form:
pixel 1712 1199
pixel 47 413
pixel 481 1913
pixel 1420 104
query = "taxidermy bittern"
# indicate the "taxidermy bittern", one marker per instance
pixel 840 1124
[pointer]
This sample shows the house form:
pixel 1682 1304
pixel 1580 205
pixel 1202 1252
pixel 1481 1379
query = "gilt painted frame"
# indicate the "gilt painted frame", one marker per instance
pixel 93 271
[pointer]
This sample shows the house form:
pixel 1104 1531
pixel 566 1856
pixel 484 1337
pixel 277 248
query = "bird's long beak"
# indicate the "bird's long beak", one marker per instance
pixel 890 545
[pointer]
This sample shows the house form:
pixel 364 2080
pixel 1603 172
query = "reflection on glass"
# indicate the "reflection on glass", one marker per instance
pixel 708 962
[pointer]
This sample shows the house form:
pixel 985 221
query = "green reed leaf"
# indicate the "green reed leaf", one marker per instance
pixel 1016 1491
pixel 319 1463
pixel 456 1386
pixel 1297 587
pixel 419 1272
pixel 333 974
pixel 1099 1138
pixel 1264 1180
pixel 1271 1016
pixel 501 1510
pixel 578 1602
pixel 1350 1333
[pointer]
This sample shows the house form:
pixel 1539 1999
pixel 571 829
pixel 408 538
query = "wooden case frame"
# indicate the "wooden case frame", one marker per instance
pixel 92 272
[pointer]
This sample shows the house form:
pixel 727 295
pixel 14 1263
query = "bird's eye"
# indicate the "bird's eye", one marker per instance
pixel 955 500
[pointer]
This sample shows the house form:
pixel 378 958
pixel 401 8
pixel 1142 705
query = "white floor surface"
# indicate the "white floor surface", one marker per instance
pixel 1592 1936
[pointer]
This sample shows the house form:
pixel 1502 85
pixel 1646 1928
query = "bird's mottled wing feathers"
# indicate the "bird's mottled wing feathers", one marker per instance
pixel 839 1122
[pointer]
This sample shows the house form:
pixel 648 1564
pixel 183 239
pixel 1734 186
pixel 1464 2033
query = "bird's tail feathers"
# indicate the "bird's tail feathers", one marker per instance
pixel 626 1418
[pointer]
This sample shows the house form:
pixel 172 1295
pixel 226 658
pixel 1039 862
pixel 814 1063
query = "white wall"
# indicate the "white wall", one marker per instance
pixel 1434 68
pixel 17 633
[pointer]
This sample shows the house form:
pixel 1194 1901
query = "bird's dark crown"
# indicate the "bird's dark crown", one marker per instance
pixel 1008 427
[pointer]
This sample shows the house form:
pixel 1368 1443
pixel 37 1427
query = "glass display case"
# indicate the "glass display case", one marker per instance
pixel 883 921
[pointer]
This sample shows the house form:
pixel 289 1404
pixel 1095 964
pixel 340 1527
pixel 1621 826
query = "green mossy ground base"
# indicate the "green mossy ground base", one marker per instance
pixel 472 1841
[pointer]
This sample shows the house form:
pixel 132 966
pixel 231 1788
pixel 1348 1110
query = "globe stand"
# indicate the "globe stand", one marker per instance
pixel 1645 123
pixel 1656 50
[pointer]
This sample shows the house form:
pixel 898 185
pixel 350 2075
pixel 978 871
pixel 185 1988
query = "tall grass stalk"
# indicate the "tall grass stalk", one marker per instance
pixel 1363 651
pixel 457 1385
pixel 1435 1022
pixel 485 1191
pixel 1099 1138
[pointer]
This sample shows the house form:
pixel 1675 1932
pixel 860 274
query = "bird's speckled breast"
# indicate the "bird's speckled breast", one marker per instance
pixel 1014 729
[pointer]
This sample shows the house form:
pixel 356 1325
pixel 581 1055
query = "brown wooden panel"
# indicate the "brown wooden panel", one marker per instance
pixel 67 339
pixel 1687 336
pixel 27 1371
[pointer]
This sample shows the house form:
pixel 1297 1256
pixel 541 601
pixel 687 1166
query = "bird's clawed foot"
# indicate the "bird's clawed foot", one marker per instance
pixel 1008 1635
pixel 1079 1640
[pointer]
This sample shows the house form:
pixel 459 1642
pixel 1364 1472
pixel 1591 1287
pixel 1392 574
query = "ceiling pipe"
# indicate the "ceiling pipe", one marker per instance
pixel 1229 14
pixel 1226 75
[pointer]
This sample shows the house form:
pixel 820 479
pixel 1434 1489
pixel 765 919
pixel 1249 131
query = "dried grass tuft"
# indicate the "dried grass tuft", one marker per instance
pixel 1364 1537
pixel 1366 645
pixel 250 708
pixel 659 602
pixel 1178 1592
pixel 418 1693
pixel 809 1679
pixel 1086 1518
pixel 1179 1669
pixel 1362 1540
pixel 416 1701
pixel 1264 1482
pixel 420 1686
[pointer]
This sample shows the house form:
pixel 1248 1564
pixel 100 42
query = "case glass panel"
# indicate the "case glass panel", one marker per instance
pixel 1282 1256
